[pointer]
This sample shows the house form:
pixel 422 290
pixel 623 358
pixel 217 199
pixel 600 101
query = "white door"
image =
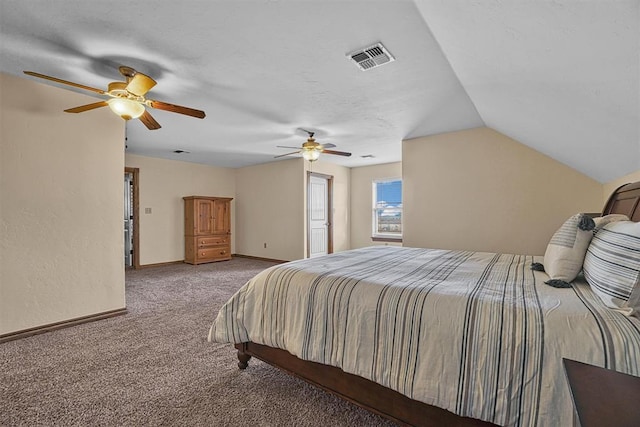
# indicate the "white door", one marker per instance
pixel 318 214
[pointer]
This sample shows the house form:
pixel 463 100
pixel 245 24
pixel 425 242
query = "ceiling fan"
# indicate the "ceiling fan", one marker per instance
pixel 311 149
pixel 126 99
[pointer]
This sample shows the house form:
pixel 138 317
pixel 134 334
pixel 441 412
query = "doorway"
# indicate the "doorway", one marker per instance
pixel 131 234
pixel 319 214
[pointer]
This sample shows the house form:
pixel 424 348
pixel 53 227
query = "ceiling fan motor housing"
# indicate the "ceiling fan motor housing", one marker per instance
pixel 311 144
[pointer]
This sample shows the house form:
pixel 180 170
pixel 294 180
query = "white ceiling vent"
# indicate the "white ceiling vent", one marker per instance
pixel 371 57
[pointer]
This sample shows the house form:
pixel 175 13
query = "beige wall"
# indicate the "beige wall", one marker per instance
pixel 610 187
pixel 362 198
pixel 162 185
pixel 341 194
pixel 270 209
pixel 480 190
pixel 61 204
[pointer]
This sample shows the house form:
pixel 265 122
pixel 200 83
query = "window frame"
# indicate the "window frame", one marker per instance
pixel 377 236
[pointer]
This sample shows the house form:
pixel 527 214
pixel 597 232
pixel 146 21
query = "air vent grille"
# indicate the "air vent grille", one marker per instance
pixel 371 57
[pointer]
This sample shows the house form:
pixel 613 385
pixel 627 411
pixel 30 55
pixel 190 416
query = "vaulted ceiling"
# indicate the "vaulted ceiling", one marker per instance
pixel 562 77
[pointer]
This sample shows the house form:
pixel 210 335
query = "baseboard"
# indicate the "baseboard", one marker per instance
pixel 160 264
pixel 279 261
pixel 61 325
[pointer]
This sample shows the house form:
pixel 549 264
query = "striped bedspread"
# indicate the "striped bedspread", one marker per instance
pixel 478 334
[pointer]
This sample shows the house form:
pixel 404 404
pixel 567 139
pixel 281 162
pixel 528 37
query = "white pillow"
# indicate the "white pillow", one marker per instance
pixel 612 265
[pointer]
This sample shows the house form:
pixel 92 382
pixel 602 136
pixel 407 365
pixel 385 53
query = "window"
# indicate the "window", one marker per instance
pixel 387 209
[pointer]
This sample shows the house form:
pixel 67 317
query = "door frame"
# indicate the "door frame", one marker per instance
pixel 329 179
pixel 136 215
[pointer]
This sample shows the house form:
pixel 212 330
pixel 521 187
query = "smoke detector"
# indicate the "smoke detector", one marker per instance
pixel 371 57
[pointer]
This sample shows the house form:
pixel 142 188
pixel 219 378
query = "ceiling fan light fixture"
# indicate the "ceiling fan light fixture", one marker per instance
pixel 311 155
pixel 128 98
pixel 126 108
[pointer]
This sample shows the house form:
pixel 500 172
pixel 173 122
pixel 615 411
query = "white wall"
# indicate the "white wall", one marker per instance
pixel 162 185
pixel 362 198
pixel 480 190
pixel 270 209
pixel 61 204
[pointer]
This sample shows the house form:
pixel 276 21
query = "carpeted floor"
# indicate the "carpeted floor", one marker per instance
pixel 154 365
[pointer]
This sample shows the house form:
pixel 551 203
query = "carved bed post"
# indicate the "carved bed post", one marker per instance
pixel 243 358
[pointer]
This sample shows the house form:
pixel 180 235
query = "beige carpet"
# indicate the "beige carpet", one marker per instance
pixel 155 367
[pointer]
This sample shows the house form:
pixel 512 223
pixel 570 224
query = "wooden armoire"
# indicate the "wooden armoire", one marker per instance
pixel 207 229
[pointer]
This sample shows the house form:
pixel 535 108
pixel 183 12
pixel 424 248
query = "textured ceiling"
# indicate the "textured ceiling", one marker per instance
pixel 562 77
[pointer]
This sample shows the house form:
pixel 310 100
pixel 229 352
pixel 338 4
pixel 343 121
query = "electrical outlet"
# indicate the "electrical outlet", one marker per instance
pixel 147 210
pixel 265 246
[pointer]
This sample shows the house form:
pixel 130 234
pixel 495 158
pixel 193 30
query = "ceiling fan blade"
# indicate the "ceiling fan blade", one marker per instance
pixel 87 107
pixel 149 121
pixel 286 146
pixel 288 154
pixel 65 82
pixel 140 84
pixel 328 145
pixel 177 109
pixel 338 153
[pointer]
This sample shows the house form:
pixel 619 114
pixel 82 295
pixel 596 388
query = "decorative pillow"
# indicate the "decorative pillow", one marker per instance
pixel 565 251
pixel 612 265
pixel 601 221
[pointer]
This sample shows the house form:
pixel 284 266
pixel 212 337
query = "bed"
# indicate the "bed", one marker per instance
pixel 433 337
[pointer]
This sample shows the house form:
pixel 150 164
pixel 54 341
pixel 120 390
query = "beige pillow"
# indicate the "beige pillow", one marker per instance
pixel 601 221
pixel 565 251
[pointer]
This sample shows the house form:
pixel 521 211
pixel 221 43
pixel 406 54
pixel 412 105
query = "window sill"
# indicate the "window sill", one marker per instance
pixel 386 239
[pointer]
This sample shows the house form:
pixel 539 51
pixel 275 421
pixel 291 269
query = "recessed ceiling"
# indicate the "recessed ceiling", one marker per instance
pixel 561 77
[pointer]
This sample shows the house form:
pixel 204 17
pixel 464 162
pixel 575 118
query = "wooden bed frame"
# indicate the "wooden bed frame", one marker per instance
pixel 382 400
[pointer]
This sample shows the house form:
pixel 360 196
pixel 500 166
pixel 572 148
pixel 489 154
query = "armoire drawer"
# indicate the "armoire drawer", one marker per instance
pixel 218 252
pixel 212 241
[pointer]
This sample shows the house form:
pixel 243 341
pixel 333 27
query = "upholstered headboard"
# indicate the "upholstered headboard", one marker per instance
pixel 625 200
